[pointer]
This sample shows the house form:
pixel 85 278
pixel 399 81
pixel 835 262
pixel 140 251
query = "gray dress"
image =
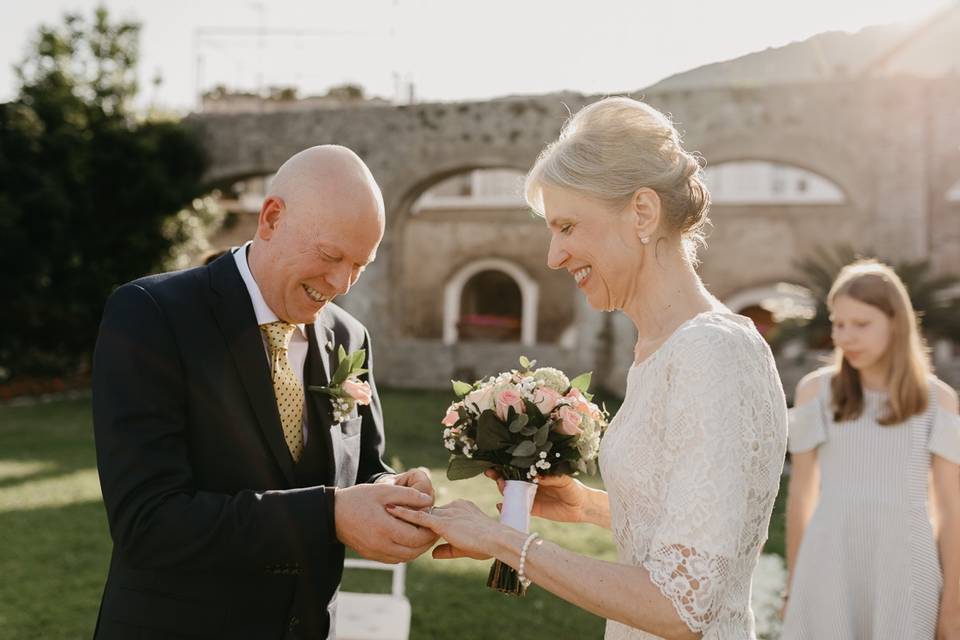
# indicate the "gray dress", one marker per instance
pixel 868 565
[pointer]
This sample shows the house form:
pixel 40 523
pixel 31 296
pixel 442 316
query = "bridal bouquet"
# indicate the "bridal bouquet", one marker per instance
pixel 524 424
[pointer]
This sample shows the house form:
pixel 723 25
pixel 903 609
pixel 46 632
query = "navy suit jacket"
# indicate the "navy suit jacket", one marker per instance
pixel 217 532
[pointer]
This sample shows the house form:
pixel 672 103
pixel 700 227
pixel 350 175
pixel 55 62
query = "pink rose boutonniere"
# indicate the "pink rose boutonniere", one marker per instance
pixel 346 390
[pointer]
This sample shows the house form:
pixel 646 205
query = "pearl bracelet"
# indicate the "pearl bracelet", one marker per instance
pixel 523 559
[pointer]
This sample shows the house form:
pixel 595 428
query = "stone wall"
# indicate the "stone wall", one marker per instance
pixel 890 144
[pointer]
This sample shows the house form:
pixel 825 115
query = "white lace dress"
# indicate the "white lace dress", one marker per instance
pixel 692 464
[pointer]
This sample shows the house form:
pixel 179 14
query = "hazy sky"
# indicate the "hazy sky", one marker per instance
pixel 449 49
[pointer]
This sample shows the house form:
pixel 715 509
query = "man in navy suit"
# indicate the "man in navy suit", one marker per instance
pixel 231 492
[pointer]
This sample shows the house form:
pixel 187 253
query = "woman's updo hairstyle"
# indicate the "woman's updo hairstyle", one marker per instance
pixel 615 146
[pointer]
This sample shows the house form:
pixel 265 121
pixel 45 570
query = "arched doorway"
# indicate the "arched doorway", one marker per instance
pixel 491 299
pixel 769 306
pixel 491 308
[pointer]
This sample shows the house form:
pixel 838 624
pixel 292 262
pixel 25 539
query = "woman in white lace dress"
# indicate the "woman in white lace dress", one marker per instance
pixel 692 460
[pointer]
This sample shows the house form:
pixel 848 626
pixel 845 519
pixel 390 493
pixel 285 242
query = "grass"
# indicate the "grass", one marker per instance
pixel 56 546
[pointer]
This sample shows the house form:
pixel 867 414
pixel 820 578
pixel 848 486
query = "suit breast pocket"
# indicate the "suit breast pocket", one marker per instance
pixel 346 439
pixel 350 427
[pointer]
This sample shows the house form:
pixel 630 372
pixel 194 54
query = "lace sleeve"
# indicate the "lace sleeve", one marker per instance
pixel 720 415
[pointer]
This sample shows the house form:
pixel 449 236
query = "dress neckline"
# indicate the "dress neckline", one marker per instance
pixel 684 324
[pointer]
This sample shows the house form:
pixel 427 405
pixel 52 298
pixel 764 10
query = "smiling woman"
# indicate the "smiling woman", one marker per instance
pixel 692 460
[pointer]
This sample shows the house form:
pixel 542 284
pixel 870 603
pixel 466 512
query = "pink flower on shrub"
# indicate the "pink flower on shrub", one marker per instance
pixel 546 399
pixel 359 391
pixel 506 399
pixel 570 420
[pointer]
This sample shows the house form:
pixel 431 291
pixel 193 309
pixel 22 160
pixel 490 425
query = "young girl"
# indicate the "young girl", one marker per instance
pixel 873 512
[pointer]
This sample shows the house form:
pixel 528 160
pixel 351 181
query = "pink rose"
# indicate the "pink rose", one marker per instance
pixel 546 399
pixel 506 399
pixel 569 421
pixel 451 418
pixel 359 391
pixel 579 401
pixel 482 399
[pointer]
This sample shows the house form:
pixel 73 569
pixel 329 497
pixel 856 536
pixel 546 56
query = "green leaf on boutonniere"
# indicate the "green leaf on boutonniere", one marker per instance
pixel 462 468
pixel 346 366
pixel 461 388
pixel 356 360
pixel 341 374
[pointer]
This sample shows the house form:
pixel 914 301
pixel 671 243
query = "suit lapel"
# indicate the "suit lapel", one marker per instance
pixel 234 313
pixel 317 373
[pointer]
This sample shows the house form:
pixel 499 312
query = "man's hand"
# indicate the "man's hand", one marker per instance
pixel 364 525
pixel 418 478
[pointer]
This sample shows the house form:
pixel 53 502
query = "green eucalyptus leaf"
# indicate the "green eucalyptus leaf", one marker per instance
pixel 525 448
pixel 524 362
pixel 461 468
pixel 491 433
pixel 541 436
pixel 461 388
pixel 582 382
pixel 522 462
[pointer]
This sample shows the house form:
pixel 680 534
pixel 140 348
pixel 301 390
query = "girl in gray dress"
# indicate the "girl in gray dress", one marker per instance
pixel 873 512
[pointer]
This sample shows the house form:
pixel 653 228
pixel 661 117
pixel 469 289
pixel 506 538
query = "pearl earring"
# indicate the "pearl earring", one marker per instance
pixel 644 239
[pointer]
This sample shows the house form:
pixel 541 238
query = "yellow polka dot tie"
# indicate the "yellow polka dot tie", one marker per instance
pixel 286 385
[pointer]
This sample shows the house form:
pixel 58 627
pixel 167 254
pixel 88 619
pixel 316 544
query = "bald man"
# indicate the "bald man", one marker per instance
pixel 230 492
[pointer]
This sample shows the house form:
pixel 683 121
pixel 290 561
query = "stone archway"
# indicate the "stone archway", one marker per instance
pixel 453 295
pixel 766 305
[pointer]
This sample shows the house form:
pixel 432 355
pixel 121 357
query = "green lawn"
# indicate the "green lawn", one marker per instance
pixel 55 549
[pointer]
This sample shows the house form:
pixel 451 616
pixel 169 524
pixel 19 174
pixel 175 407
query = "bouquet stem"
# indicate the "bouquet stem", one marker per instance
pixel 518 498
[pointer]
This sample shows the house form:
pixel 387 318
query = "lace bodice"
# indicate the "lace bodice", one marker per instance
pixel 692 464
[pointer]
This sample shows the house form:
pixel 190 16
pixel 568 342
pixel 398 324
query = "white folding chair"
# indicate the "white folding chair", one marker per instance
pixel 374 616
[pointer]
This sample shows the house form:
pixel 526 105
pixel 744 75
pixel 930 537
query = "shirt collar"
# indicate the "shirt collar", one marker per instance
pixel 264 314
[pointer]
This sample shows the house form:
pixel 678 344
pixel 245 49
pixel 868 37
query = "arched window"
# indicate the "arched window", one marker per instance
pixel 477 189
pixel 761 182
pixel 490 299
pixel 768 306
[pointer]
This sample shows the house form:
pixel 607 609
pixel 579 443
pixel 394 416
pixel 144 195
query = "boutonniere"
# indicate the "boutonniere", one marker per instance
pixel 346 390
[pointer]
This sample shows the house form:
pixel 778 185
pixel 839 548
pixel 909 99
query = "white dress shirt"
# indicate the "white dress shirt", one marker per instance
pixel 297 350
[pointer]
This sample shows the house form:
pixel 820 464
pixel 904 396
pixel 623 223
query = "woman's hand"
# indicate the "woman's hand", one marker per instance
pixel 559 498
pixel 469 532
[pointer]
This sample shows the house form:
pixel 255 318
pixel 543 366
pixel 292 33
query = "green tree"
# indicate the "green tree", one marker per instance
pixel 938 309
pixel 89 196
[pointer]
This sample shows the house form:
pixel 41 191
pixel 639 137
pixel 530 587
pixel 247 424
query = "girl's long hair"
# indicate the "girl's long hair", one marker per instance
pixel 907 359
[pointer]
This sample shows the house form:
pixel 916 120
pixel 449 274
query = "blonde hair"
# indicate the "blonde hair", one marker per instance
pixel 614 147
pixel 877 285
